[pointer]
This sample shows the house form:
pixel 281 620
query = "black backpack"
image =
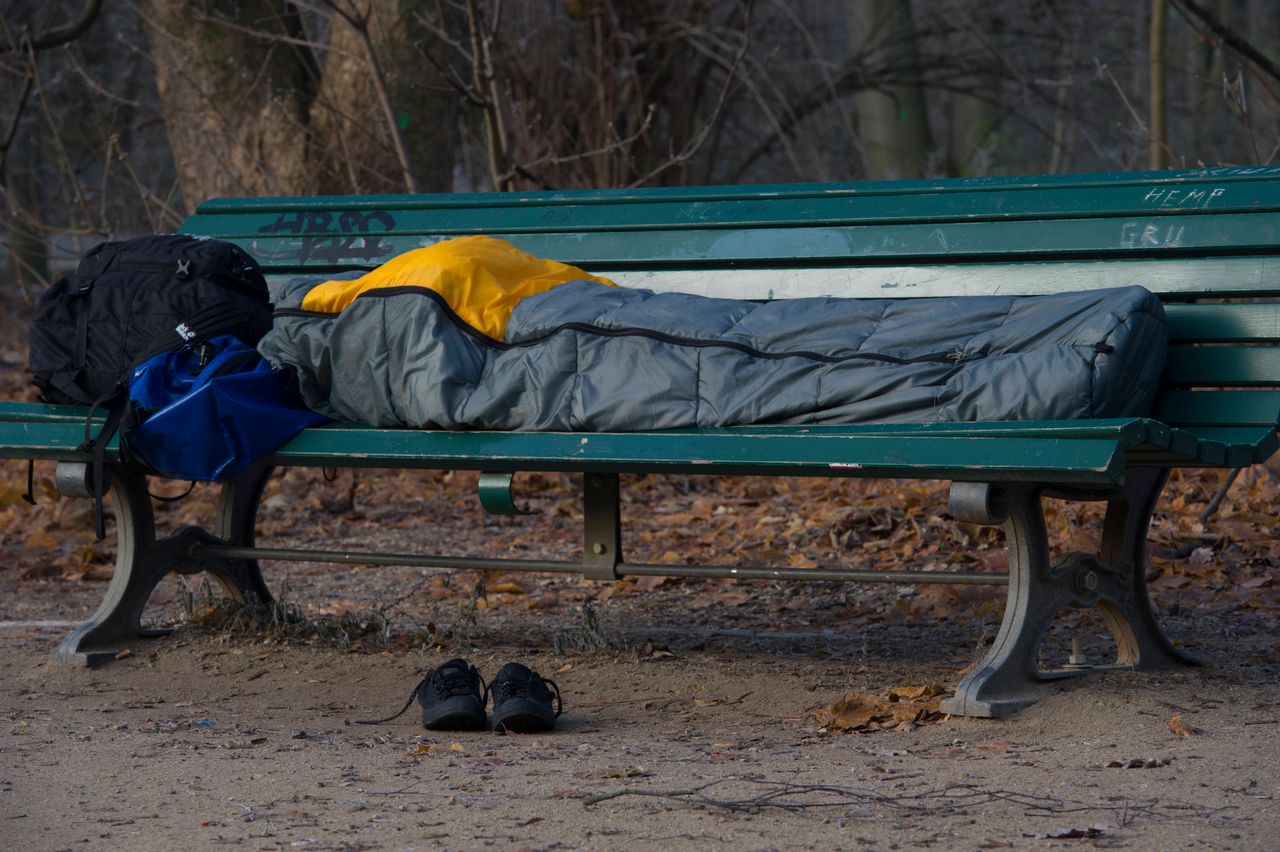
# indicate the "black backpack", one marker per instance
pixel 129 301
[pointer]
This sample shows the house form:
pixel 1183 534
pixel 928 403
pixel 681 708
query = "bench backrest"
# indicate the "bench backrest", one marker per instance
pixel 1207 241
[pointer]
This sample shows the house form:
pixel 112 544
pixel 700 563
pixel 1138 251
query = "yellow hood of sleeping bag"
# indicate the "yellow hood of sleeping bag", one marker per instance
pixel 481 278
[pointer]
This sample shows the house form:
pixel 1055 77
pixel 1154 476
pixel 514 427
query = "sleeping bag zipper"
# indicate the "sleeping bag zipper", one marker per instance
pixel 954 356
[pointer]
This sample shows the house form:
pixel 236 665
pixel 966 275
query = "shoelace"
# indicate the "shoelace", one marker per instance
pixel 522 689
pixel 454 680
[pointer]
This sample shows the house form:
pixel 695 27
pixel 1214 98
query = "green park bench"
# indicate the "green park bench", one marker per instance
pixel 1207 241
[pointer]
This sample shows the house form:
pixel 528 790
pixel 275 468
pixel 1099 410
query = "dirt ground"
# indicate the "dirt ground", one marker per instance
pixel 688 706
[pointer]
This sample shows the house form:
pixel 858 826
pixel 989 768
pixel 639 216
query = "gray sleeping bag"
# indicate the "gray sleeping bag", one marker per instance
pixel 586 357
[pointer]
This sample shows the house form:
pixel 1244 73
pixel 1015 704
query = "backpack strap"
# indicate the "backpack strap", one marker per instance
pixel 65 381
pixel 82 333
pixel 97 447
pixel 30 495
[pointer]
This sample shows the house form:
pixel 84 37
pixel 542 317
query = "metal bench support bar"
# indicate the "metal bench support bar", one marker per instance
pixel 622 569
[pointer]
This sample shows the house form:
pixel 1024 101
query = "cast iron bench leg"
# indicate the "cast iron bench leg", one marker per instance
pixel 142 562
pixel 1009 678
pixel 1140 641
pixel 236 522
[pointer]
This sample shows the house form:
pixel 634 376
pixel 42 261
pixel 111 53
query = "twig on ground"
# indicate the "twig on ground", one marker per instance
pixel 800 797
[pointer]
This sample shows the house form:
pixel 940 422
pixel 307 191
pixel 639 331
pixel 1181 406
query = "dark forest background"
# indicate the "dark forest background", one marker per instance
pixel 118 116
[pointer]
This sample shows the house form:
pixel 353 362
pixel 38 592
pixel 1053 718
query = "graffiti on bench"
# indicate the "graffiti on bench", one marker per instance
pixel 326 237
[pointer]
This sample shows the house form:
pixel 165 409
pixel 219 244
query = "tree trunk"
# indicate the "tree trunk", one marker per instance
pixel 251 111
pixel 356 134
pixel 973 108
pixel 1157 152
pixel 891 121
pixel 235 97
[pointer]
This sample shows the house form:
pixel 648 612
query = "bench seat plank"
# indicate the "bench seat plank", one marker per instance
pixel 1032 197
pixel 879 449
pixel 1064 238
pixel 1128 431
pixel 1244 445
pixel 1235 276
pixel 1218 366
pixel 1093 461
pixel 405 214
pixel 1244 322
pixel 963 458
pixel 1218 408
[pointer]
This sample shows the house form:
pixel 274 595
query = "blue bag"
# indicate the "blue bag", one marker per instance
pixel 207 412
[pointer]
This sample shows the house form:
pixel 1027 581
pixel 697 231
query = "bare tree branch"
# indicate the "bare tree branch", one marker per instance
pixel 9 135
pixel 484 83
pixel 730 78
pixel 59 35
pixel 360 22
pixel 526 169
pixel 1200 17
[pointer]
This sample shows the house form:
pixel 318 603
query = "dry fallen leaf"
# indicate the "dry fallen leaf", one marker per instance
pixel 40 540
pixel 547 600
pixel 1181 728
pixel 650 582
pixel 914 693
pixel 420 748
pixel 456 746
pixel 889 709
pixel 629 772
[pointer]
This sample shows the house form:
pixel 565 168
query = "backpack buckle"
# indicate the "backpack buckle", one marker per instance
pixel 184 269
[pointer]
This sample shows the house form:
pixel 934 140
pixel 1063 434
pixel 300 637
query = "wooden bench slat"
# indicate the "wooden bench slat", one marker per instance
pixel 1067 238
pixel 1128 431
pixel 938 457
pixel 45 440
pixel 39 412
pixel 1192 408
pixel 1175 277
pixel 1210 323
pixel 411 215
pixel 1131 430
pixel 1243 446
pixel 1218 366
pixel 1080 461
pixel 1253 435
pixel 1134 190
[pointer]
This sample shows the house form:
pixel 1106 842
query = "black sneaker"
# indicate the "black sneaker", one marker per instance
pixel 451 699
pixel 522 702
